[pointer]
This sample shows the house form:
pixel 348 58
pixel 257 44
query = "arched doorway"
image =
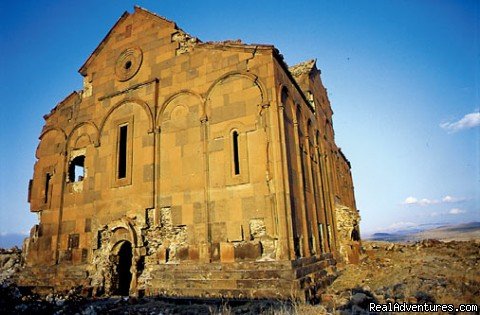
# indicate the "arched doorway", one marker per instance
pixel 123 273
pixel 355 234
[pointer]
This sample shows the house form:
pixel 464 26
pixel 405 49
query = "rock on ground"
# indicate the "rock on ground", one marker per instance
pixel 428 271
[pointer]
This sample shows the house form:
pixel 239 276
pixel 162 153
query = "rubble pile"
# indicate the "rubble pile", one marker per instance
pixel 427 271
pixel 10 261
pixel 21 300
pixel 12 301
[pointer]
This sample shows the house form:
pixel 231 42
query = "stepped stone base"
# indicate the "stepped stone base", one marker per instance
pixel 303 279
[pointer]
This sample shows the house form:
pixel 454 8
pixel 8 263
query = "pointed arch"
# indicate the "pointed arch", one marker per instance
pixel 86 125
pixel 141 103
pixel 175 96
pixel 283 93
pixel 127 224
pixel 48 131
pixel 232 76
pixel 299 118
pixel 245 74
pixel 288 103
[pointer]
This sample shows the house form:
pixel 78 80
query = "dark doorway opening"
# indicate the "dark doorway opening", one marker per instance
pixel 355 234
pixel 123 269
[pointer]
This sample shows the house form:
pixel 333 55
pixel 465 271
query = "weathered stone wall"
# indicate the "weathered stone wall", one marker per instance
pixel 206 159
pixel 348 225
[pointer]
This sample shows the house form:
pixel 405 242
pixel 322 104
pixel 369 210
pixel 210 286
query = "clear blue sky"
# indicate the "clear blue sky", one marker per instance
pixel 402 76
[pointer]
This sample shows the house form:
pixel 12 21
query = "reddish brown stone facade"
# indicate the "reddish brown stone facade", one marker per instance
pixel 186 168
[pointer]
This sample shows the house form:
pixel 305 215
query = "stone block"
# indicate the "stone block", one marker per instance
pixel 218 232
pixel 227 252
pixel 235 231
pixel 198 212
pixel 182 253
pixel 162 255
pixel 176 215
pixel 247 251
pixel 193 252
pixel 68 226
pixel 148 173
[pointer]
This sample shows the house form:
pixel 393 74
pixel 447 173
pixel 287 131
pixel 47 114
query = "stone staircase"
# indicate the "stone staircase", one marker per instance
pixel 302 279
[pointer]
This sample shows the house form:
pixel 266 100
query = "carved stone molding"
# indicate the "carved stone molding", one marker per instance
pixel 128 64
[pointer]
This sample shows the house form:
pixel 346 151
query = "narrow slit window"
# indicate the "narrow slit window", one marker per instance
pixel 76 169
pixel 122 152
pixel 30 184
pixel 236 160
pixel 48 179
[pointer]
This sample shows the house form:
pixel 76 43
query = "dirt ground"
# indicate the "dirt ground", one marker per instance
pixel 427 271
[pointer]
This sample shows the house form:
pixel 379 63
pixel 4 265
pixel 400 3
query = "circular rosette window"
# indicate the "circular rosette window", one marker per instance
pixel 128 64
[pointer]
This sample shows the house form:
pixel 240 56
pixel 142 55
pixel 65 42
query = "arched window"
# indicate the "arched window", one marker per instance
pixel 236 158
pixel 76 169
pixel 122 152
pixel 355 234
pixel 48 178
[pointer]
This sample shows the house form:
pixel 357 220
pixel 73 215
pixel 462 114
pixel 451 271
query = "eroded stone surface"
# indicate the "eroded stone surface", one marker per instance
pixel 348 225
pixel 185 41
pixel 189 169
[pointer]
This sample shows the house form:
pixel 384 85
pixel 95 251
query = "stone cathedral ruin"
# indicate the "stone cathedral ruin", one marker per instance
pixel 189 168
